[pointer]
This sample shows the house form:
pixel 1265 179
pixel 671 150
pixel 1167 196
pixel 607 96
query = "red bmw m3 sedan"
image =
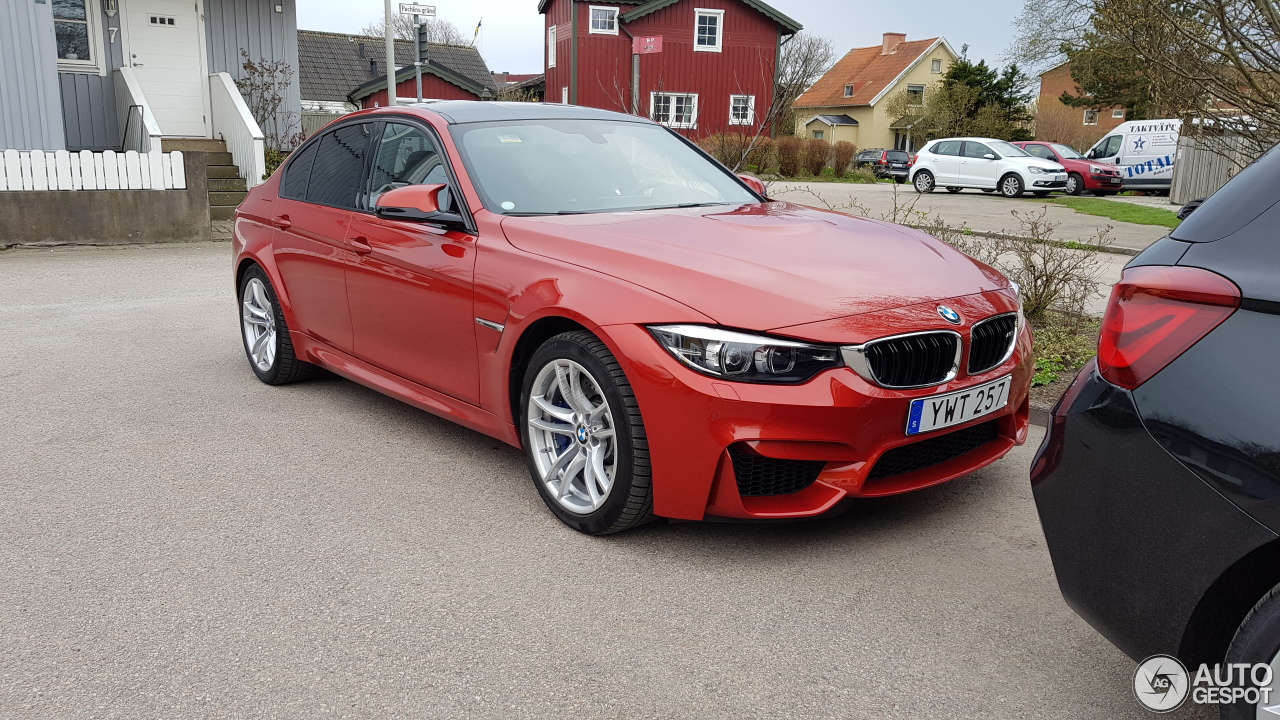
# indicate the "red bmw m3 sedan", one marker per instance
pixel 660 338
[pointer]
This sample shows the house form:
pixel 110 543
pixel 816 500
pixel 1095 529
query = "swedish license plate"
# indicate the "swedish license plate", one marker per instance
pixel 1059 178
pixel 941 411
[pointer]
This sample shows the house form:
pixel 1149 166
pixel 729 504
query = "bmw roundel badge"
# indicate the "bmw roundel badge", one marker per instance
pixel 949 315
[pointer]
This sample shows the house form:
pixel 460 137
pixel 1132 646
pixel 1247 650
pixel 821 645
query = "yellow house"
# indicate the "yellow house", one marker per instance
pixel 848 103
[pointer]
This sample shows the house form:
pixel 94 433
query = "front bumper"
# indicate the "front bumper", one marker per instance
pixel 1113 183
pixel 1137 539
pixel 1039 184
pixel 836 418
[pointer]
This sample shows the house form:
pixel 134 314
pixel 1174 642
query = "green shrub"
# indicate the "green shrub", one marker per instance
pixel 789 149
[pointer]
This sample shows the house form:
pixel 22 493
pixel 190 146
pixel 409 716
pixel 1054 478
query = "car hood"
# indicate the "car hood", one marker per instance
pixel 760 266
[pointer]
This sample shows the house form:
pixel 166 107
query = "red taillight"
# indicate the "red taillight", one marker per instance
pixel 1155 314
pixel 884 157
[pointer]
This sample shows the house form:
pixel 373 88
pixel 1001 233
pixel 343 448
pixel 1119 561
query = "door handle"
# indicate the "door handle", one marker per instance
pixel 360 245
pixel 282 222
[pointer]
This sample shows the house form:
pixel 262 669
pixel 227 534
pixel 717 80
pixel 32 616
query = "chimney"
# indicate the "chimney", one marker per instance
pixel 891 42
pixel 360 50
pixel 373 68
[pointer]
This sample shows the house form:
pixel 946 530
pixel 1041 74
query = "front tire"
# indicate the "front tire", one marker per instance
pixel 584 439
pixel 1011 186
pixel 267 343
pixel 1257 641
pixel 923 182
pixel 1075 184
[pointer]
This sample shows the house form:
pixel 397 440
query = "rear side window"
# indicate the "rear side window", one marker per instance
pixel 294 184
pixel 338 167
pixel 946 147
pixel 1241 201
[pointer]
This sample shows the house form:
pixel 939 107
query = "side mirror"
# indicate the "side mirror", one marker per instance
pixel 756 184
pixel 411 202
pixel 988 156
pixel 1092 154
pixel 1185 211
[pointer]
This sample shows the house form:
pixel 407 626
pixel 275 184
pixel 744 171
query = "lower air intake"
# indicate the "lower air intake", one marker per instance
pixel 760 476
pixel 933 451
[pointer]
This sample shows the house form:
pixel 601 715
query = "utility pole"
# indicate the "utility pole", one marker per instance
pixel 424 52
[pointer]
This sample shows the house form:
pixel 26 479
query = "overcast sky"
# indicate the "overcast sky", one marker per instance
pixel 511 39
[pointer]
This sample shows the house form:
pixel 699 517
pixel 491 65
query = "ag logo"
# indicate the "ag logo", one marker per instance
pixel 1160 683
pixel 949 315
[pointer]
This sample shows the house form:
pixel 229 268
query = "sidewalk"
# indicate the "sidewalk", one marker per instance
pixel 982 212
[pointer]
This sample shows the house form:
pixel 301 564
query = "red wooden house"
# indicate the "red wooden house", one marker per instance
pixel 702 67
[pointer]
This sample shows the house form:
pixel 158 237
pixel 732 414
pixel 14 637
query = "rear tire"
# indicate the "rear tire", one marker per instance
pixel 1075 184
pixel 265 333
pixel 923 182
pixel 1257 641
pixel 584 439
pixel 1011 186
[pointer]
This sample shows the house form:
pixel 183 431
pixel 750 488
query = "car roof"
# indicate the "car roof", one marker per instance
pixel 975 139
pixel 457 112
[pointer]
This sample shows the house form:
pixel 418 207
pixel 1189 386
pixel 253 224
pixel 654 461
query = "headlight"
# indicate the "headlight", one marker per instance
pixel 1017 291
pixel 1040 171
pixel 742 357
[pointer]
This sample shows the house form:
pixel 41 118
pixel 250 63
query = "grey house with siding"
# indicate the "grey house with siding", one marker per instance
pixel 100 74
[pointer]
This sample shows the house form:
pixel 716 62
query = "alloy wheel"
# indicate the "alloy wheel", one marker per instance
pixel 924 182
pixel 572 436
pixel 259 320
pixel 1011 187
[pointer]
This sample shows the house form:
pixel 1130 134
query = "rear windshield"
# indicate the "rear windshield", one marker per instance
pixel 897 156
pixel 1249 194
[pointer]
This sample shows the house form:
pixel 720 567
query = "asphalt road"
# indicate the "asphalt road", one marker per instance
pixel 178 540
pixel 984 212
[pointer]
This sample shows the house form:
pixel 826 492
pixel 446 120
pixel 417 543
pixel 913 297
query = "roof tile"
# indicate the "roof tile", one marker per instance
pixel 867 70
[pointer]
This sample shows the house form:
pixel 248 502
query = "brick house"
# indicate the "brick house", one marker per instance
pixel 700 67
pixel 1075 126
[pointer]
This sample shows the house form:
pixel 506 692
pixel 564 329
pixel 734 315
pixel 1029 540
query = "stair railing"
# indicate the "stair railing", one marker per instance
pixel 234 124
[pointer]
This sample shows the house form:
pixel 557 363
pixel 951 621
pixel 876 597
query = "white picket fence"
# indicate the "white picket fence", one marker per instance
pixel 62 170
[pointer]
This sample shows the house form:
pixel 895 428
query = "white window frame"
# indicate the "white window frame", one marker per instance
pixel 1117 114
pixel 751 109
pixel 849 90
pixel 94 64
pixel 591 20
pixel 698 14
pixel 551 46
pixel 669 98
pixel 935 67
pixel 922 91
pixel 1096 116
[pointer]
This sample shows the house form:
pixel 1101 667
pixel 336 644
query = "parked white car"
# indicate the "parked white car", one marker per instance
pixel 985 164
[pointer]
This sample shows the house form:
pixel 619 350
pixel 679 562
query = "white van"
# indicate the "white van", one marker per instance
pixel 1144 150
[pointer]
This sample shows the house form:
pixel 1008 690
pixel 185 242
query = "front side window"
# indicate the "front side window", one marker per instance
pixel 339 166
pixel 742 109
pixel 549 167
pixel 976 150
pixel 1005 149
pixel 407 155
pixel 915 94
pixel 1040 151
pixel 675 110
pixel 708 30
pixel 551 46
pixel 1067 152
pixel 604 20
pixel 1090 117
pixel 71 31
pixel 1111 147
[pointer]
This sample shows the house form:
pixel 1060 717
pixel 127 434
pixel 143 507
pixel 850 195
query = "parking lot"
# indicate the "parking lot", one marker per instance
pixel 178 540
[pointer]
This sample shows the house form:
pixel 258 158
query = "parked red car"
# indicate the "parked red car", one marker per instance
pixel 658 337
pixel 1082 174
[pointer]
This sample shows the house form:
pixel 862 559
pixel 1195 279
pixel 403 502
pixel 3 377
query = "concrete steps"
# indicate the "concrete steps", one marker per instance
pixel 226 188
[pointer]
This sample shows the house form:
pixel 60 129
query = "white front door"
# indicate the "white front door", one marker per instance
pixel 165 48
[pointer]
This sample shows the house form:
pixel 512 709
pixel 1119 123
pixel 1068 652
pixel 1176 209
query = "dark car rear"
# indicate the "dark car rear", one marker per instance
pixel 1158 482
pixel 893 164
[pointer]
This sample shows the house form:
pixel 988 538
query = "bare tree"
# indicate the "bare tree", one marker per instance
pixel 1044 27
pixel 804 59
pixel 439 30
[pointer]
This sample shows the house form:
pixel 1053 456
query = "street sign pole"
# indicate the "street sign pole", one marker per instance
pixel 417 62
pixel 391 56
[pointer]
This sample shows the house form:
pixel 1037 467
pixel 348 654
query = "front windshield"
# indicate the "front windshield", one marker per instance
pixel 1067 152
pixel 548 167
pixel 1007 150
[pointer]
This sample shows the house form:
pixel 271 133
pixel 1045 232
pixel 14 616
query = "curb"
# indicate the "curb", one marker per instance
pixel 1041 416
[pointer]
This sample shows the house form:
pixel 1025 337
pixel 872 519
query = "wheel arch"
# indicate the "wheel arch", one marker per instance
pixel 531 338
pixel 247 261
pixel 1225 603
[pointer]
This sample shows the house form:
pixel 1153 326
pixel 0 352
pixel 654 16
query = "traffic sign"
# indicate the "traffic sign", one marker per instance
pixel 415 9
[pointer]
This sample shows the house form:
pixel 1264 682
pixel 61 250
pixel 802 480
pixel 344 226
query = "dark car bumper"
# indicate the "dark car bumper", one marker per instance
pixel 1138 541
